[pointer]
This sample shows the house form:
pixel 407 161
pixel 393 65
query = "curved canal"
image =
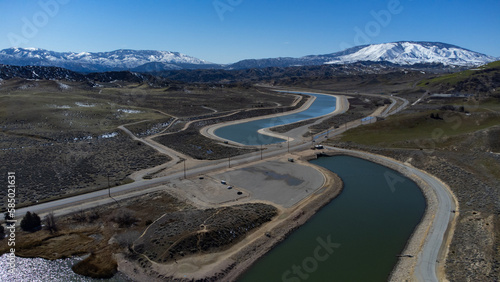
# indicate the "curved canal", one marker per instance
pixel 357 236
pixel 246 133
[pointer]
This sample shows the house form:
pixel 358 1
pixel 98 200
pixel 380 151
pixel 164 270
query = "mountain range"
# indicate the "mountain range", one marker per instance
pixel 399 53
pixel 119 60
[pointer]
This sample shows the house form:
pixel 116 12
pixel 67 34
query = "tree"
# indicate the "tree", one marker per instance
pixel 50 222
pixel 31 222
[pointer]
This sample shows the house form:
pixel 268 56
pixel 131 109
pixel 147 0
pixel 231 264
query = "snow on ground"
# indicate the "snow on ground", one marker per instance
pixel 85 105
pixel 109 135
pixel 63 86
pixel 129 111
pixel 59 106
pixel 103 136
pixel 83 138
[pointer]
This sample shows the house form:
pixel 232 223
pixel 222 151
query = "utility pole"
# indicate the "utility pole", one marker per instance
pixel 288 144
pixel 260 151
pixel 184 169
pixel 109 186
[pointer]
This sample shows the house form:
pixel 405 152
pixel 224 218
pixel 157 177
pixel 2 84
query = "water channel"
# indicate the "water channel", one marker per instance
pixel 246 133
pixel 356 237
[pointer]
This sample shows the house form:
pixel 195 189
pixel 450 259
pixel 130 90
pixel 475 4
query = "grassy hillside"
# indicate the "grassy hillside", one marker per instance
pixel 421 131
pixel 481 81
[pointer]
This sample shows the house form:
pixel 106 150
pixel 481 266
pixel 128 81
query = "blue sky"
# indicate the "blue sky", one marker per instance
pixel 225 31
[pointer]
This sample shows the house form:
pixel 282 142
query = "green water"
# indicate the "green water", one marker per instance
pixel 363 229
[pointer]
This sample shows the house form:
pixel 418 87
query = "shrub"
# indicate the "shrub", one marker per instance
pixel 31 222
pixel 79 216
pixel 93 216
pixel 127 239
pixel 50 222
pixel 124 218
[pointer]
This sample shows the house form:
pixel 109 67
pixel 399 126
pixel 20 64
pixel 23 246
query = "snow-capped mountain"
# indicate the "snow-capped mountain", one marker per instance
pixel 400 53
pixel 410 53
pixel 102 61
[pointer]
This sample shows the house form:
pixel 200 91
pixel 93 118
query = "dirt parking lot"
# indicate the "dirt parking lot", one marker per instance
pixel 278 181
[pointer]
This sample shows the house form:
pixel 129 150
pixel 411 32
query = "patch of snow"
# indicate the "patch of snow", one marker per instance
pixel 63 86
pixel 109 135
pixel 129 111
pixel 60 107
pixel 85 105
pixel 89 137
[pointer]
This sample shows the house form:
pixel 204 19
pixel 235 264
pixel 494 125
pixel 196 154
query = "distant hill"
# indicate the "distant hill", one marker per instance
pixel 254 75
pixel 55 73
pixel 483 80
